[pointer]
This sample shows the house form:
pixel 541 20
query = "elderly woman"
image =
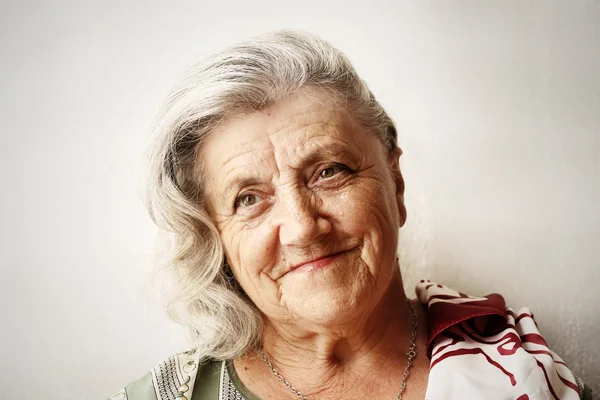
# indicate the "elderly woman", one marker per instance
pixel 276 173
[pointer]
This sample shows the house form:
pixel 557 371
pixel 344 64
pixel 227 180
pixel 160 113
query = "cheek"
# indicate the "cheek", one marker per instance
pixel 366 212
pixel 362 207
pixel 252 254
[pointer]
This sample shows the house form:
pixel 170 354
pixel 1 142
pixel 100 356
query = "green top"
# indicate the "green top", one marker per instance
pixel 211 380
pixel 238 383
pixel 208 379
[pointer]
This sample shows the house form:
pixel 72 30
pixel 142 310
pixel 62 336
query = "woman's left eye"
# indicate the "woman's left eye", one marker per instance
pixel 329 172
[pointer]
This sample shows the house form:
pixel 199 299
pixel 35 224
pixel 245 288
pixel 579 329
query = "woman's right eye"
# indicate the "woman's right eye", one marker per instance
pixel 247 200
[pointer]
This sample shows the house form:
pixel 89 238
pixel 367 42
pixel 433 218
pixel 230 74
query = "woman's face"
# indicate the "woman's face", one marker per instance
pixel 308 205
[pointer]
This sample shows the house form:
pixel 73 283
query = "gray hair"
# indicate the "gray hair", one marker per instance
pixel 240 79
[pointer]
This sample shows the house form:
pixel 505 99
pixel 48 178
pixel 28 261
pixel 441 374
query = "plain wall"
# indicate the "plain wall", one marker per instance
pixel 498 109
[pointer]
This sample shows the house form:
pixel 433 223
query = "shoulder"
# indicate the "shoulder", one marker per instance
pixel 183 375
pixel 480 339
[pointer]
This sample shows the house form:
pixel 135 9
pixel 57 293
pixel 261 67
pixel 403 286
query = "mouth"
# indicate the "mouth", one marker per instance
pixel 316 263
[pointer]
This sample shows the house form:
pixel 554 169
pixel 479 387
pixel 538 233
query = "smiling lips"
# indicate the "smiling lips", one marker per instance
pixel 316 263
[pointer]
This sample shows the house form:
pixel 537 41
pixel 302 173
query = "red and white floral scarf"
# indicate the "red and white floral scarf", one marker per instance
pixel 481 349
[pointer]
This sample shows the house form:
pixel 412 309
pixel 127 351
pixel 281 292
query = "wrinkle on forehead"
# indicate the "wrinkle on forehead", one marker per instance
pixel 309 133
pixel 331 117
pixel 266 142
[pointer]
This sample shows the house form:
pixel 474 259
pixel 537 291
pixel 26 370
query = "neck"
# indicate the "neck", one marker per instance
pixel 321 355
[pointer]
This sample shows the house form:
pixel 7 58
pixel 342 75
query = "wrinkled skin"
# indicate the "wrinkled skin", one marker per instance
pixel 286 186
pixel 315 183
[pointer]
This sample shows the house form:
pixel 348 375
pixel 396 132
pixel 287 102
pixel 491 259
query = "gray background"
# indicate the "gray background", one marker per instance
pixel 498 109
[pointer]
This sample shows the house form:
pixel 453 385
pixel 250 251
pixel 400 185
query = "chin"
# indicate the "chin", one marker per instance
pixel 333 307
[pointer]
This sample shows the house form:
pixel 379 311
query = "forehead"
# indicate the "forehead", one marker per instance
pixel 281 134
pixel 278 125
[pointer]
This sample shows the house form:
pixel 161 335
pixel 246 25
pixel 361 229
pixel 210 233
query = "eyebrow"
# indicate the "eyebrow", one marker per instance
pixel 237 184
pixel 332 150
pixel 244 179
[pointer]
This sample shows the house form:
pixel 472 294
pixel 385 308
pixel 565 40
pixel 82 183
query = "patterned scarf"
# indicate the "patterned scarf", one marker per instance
pixel 481 349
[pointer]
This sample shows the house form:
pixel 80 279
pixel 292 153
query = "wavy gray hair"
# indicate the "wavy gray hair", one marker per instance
pixel 242 78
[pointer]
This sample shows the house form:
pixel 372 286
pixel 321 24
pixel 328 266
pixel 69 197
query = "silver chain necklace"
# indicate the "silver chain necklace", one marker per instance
pixel 410 355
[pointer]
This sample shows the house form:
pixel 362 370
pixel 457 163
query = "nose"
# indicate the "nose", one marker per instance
pixel 300 222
